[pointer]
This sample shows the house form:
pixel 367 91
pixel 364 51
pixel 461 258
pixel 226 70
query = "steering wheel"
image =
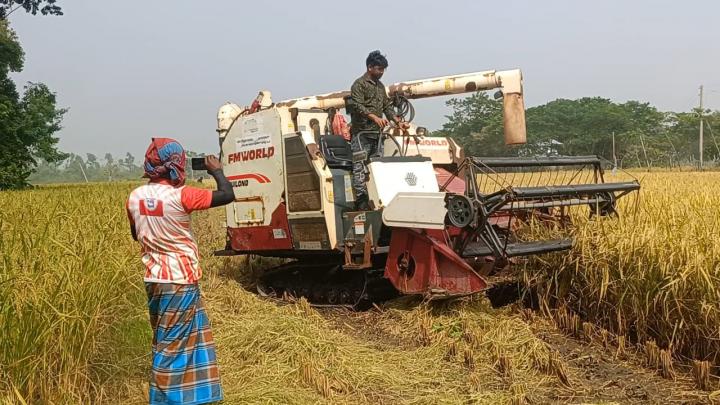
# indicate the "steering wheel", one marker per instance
pixel 389 134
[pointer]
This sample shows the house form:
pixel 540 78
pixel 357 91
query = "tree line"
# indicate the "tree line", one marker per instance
pixel 643 135
pixel 89 168
pixel 28 119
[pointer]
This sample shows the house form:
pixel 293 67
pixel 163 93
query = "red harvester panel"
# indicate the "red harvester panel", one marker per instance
pixel 421 264
pixel 275 236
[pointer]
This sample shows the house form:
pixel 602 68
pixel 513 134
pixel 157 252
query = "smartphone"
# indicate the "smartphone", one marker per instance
pixel 198 163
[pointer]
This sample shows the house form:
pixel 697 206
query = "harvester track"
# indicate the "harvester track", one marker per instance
pixel 326 284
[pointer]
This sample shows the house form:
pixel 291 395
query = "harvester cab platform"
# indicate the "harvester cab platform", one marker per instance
pixel 435 213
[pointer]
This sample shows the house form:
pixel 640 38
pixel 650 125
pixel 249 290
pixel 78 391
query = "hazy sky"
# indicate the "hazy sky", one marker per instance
pixel 129 70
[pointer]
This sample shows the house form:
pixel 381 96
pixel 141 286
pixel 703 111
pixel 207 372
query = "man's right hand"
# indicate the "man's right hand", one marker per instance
pixel 212 163
pixel 381 122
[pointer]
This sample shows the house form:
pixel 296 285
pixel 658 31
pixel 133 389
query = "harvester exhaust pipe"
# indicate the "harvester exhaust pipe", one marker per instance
pixel 509 81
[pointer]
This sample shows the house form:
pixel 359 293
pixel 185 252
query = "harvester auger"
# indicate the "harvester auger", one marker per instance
pixel 435 213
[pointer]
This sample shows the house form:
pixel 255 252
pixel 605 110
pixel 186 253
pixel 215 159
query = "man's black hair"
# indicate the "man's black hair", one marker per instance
pixel 376 59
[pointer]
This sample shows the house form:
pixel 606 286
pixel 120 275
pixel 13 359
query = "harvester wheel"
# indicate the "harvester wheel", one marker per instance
pixel 333 297
pixel 345 297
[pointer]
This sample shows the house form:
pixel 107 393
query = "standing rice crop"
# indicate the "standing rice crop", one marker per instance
pixel 71 308
pixel 652 275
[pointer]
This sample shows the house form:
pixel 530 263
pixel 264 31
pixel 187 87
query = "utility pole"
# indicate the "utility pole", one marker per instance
pixel 80 163
pixel 614 155
pixel 644 152
pixel 701 127
pixel 674 152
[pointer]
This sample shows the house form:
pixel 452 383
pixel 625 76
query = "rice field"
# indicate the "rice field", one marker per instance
pixel 75 330
pixel 653 275
pixel 71 304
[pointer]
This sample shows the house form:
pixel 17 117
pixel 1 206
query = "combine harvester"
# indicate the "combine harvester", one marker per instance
pixel 440 221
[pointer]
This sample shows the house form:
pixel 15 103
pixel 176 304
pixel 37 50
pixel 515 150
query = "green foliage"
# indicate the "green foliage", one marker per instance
pixel 40 120
pixel 44 7
pixel 476 123
pixel 644 136
pixel 685 133
pixel 12 56
pixel 27 122
pixel 452 329
pixel 585 126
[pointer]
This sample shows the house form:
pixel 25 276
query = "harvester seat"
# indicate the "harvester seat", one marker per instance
pixel 337 152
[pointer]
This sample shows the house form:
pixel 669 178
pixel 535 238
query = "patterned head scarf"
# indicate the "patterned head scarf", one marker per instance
pixel 165 158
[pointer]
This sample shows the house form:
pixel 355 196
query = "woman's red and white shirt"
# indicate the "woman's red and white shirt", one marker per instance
pixel 161 216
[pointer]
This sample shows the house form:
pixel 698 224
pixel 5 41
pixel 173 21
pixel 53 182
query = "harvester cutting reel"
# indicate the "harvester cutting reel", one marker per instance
pixel 504 194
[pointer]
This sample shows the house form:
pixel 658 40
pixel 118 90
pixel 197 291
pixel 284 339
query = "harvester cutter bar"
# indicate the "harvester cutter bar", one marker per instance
pixel 573 190
pixel 519 248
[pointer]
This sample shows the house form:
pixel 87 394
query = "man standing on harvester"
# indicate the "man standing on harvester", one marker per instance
pixel 367 104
